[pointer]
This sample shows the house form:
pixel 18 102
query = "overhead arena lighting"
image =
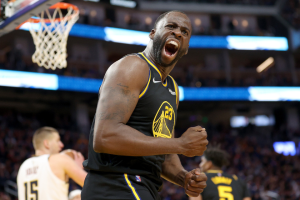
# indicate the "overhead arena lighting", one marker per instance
pixel 92 0
pixel 123 3
pixel 266 64
pixel 12 78
pixel 128 4
pixel 285 148
pixel 126 36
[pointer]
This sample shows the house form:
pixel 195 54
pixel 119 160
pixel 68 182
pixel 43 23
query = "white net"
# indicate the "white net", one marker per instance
pixel 51 38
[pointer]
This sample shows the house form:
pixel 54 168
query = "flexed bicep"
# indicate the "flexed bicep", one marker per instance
pixel 116 103
pixel 119 96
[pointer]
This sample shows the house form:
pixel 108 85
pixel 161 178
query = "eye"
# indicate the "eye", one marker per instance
pixel 185 32
pixel 170 26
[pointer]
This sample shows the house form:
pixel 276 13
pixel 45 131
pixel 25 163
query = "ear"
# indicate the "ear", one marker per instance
pixel 209 165
pixel 151 34
pixel 46 144
pixel 187 50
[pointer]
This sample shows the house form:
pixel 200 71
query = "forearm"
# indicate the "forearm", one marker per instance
pixel 80 177
pixel 196 198
pixel 173 171
pixel 124 140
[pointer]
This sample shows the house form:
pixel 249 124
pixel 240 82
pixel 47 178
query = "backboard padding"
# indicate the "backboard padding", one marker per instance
pixel 24 14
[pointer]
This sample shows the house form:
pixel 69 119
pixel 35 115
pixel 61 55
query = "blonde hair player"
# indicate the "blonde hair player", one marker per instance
pixel 45 176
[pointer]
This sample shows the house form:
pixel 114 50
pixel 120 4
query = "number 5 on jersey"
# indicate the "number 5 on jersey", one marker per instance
pixel 225 193
pixel 33 190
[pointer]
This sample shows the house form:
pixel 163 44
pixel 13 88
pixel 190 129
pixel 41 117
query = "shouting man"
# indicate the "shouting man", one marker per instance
pixel 132 142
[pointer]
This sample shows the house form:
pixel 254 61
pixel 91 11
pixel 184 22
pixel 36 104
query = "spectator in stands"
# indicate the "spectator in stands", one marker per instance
pixel 252 159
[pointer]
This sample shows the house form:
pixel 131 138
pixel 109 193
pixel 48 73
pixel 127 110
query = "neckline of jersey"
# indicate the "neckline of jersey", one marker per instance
pixel 153 65
pixel 214 171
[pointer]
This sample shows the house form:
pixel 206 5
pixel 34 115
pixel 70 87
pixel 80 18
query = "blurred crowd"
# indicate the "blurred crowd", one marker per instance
pixel 189 74
pixel 268 175
pixel 291 12
pixel 238 2
pixel 265 26
pixel 14 59
pixel 200 75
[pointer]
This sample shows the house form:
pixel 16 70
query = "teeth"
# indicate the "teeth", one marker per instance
pixel 174 43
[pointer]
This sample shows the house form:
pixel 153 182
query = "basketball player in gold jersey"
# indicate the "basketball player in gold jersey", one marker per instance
pixel 220 185
pixel 132 144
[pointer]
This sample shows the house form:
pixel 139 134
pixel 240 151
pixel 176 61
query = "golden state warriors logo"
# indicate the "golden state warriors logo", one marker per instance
pixel 164 121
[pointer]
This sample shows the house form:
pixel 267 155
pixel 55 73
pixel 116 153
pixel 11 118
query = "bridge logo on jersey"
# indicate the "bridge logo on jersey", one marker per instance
pixel 164 121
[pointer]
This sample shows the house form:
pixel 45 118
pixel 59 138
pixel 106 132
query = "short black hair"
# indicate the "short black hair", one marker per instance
pixel 218 157
pixel 163 15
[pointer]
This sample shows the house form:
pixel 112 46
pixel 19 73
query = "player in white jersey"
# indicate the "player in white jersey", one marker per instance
pixel 45 176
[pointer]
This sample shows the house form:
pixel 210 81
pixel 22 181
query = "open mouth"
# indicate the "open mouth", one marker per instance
pixel 171 48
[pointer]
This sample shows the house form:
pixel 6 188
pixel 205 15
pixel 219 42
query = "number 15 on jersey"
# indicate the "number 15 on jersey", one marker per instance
pixel 32 190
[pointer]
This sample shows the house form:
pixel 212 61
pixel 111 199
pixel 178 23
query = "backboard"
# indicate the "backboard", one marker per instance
pixel 15 12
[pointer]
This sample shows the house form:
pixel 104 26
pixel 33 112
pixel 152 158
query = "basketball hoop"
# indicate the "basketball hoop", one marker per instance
pixel 51 37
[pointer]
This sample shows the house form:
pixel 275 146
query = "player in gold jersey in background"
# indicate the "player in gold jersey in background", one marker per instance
pixel 220 185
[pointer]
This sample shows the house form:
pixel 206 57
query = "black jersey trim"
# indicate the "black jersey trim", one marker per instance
pixel 152 64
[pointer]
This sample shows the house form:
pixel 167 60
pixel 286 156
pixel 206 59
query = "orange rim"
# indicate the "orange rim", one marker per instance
pixel 57 5
pixel 64 6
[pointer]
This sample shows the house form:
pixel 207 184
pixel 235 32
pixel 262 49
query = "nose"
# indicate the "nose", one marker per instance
pixel 177 33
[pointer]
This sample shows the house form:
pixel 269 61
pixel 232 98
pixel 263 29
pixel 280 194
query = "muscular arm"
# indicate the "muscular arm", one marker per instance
pixel 173 171
pixel 196 198
pixel 119 95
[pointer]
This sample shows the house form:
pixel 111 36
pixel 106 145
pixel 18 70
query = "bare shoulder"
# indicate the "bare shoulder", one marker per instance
pixel 59 159
pixel 59 163
pixel 129 69
pixel 131 62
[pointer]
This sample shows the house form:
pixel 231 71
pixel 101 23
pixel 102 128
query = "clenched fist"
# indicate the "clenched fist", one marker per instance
pixel 193 141
pixel 194 182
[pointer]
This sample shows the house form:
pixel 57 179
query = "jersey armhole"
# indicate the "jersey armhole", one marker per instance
pixel 147 86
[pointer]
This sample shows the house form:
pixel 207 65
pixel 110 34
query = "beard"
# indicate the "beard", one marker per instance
pixel 158 45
